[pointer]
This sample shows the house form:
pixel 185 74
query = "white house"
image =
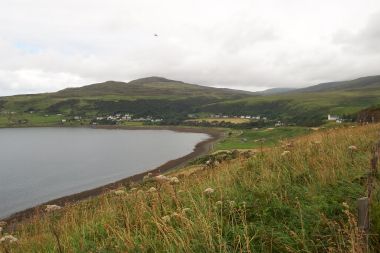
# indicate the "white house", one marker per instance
pixel 332 117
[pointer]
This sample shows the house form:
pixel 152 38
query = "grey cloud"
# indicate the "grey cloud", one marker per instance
pixel 48 45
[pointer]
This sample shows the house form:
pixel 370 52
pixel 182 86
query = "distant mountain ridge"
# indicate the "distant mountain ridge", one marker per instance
pixel 150 86
pixel 368 82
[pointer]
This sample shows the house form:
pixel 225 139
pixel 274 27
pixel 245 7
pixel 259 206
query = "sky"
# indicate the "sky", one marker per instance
pixel 253 45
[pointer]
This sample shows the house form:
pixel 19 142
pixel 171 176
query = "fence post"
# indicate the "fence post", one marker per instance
pixel 363 214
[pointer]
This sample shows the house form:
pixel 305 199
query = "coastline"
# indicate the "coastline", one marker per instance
pixel 200 148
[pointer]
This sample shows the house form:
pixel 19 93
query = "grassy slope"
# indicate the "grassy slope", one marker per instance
pixel 173 99
pixel 252 139
pixel 269 203
pixel 313 105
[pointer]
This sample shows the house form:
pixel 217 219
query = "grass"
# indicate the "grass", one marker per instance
pixel 303 201
pixel 252 138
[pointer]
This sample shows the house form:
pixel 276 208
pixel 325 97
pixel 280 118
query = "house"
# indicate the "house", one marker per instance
pixel 278 124
pixel 331 117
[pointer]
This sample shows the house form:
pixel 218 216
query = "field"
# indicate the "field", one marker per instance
pixel 255 138
pixel 302 200
pixel 231 120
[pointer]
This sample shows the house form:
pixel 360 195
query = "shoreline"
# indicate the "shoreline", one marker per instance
pixel 200 148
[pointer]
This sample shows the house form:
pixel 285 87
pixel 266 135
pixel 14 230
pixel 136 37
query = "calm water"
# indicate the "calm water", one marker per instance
pixel 41 164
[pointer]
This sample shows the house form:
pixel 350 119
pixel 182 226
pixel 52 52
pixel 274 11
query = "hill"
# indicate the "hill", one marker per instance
pixel 276 91
pixel 308 106
pixel 150 87
pixel 301 200
pixel 369 82
pixel 173 101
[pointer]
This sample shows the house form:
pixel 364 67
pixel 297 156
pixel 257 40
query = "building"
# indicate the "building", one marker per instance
pixel 331 117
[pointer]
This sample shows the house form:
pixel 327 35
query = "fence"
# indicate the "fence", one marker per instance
pixel 365 202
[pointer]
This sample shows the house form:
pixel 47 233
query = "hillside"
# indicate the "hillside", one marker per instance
pixel 173 101
pixel 150 87
pixel 369 82
pixel 309 106
pixel 300 197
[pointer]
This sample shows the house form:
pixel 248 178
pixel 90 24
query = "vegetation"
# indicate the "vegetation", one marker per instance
pixel 257 138
pixel 174 101
pixel 300 198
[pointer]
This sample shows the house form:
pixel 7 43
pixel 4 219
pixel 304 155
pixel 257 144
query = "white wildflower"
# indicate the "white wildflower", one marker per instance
pixel 119 192
pixel 286 152
pixel 52 208
pixel 152 189
pixel 352 148
pixel 162 178
pixel 174 180
pixel 8 238
pixel 133 189
pixel 209 191
pixel 219 203
pixel 166 218
pixel 232 203
pixel 186 210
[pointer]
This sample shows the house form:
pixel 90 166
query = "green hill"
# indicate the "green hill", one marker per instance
pixel 173 101
pixel 369 82
pixel 308 106
pixel 150 87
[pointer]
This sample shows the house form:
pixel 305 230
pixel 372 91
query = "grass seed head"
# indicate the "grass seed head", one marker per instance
pixel 52 208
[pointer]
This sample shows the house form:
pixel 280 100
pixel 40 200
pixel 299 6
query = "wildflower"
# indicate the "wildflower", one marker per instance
pixel 316 142
pixel 152 189
pixel 119 192
pixel 150 174
pixel 162 178
pixel 166 218
pixel 232 203
pixel 345 205
pixel 286 152
pixel 175 214
pixel 133 189
pixel 186 210
pixel 174 180
pixel 8 238
pixel 352 148
pixel 219 203
pixel 209 191
pixel 52 208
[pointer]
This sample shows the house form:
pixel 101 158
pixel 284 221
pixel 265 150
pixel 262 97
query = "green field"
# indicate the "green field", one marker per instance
pixel 251 139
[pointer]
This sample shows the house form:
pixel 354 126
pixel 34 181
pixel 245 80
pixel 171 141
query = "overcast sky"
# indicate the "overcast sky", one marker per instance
pixel 48 45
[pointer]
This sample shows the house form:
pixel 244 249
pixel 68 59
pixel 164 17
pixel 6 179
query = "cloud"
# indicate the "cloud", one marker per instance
pixel 247 44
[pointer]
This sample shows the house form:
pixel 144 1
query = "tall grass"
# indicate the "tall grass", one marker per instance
pixel 300 201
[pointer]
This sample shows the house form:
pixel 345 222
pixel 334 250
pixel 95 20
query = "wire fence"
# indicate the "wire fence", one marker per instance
pixel 364 203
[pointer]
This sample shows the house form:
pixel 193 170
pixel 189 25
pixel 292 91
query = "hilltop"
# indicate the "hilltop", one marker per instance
pixel 150 87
